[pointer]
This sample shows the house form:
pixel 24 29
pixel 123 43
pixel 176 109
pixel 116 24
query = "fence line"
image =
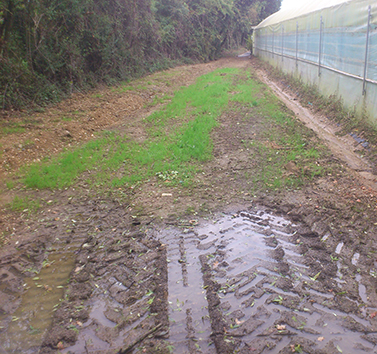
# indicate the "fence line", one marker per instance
pixel 323 66
pixel 283 53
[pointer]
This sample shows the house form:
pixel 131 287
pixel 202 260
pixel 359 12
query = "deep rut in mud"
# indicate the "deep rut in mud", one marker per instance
pixel 234 283
pixel 244 284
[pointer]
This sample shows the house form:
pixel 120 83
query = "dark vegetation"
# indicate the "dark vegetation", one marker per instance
pixel 50 48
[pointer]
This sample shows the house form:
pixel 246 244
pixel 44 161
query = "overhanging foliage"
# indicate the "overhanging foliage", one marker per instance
pixel 49 48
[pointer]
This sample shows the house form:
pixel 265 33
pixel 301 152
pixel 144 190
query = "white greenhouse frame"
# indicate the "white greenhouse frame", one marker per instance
pixel 331 44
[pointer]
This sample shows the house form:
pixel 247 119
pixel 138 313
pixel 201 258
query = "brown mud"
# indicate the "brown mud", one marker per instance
pixel 214 269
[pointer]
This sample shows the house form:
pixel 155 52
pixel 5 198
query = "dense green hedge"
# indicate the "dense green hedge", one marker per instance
pixel 48 48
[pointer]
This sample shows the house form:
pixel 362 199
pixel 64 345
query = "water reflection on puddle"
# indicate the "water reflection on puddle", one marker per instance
pixel 232 244
pixel 34 316
pixel 245 264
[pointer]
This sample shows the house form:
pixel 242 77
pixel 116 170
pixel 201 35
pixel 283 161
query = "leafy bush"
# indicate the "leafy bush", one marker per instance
pixel 50 48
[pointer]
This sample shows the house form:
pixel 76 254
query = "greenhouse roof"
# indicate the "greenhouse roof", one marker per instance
pixel 287 14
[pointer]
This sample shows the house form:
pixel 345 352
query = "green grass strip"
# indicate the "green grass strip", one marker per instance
pixel 179 139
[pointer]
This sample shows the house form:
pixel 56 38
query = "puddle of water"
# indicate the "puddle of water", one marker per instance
pixel 340 314
pixel 98 308
pixel 245 249
pixel 235 247
pixel 34 315
pixel 247 54
pixel 188 313
pixel 87 342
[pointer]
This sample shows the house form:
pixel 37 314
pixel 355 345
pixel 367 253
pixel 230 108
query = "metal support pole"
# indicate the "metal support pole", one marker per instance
pixel 273 41
pixel 296 44
pixel 320 46
pixel 366 53
pixel 282 43
pixel 265 38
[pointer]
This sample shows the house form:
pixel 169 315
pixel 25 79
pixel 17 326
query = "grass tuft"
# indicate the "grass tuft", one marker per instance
pixel 24 204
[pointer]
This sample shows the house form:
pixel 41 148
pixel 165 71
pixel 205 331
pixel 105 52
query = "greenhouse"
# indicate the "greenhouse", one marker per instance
pixel 331 44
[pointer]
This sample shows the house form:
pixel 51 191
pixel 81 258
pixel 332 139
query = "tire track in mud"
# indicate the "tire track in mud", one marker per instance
pixel 37 271
pixel 247 282
pixel 119 281
pixel 188 310
pixel 97 275
pixel 265 289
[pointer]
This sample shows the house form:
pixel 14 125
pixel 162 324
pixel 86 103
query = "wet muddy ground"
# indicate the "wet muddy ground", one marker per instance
pixel 247 281
pixel 217 270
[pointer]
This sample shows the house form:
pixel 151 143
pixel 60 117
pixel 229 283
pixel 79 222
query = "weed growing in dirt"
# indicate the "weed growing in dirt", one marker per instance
pixel 3 238
pixel 10 184
pixel 11 128
pixel 284 148
pixel 24 204
pixel 66 119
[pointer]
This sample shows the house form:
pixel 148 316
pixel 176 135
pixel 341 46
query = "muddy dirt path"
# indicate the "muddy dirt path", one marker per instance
pixel 344 147
pixel 258 290
pixel 214 269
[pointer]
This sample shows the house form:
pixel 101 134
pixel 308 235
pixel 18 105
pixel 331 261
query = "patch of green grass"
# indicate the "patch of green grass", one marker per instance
pixel 247 91
pixel 3 238
pixel 10 184
pixel 66 119
pixel 12 128
pixel 61 171
pixel 288 157
pixel 179 140
pixel 24 204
